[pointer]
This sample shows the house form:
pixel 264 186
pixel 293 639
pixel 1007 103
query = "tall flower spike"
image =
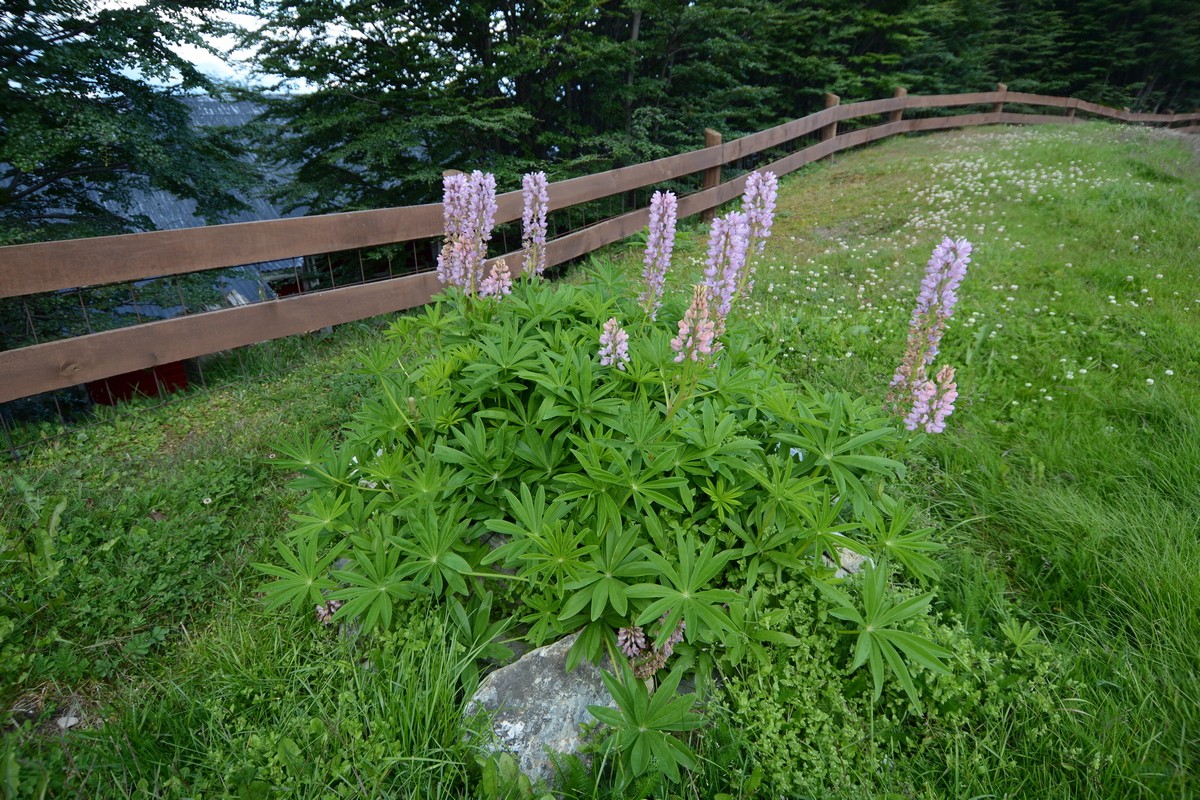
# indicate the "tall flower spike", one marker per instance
pixel 762 190
pixel 926 403
pixel 469 213
pixel 614 345
pixel 533 221
pixel 483 217
pixel 697 331
pixel 455 210
pixel 728 242
pixel 659 246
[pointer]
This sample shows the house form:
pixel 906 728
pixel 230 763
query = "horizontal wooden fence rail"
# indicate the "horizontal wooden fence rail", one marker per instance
pixel 55 266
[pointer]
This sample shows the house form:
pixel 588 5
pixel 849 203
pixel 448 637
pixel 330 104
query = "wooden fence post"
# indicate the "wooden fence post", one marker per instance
pixel 999 107
pixel 1071 112
pixel 830 130
pixel 712 175
pixel 898 114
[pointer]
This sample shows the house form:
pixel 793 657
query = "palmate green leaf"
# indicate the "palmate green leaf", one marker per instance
pixel 303 582
pixel 880 641
pixel 431 542
pixel 641 726
pixel 609 568
pixel 896 542
pixel 322 513
pixel 681 593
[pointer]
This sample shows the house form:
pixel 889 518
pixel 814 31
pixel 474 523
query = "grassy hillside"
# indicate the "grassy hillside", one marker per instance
pixel 1065 488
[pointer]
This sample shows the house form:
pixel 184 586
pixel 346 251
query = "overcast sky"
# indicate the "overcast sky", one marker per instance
pixel 226 64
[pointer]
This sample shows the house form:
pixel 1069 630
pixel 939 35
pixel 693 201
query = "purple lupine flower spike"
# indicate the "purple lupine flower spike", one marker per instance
pixel 533 221
pixel 659 246
pixel 762 190
pixel 929 402
pixel 614 345
pixel 728 242
pixel 455 205
pixel 469 212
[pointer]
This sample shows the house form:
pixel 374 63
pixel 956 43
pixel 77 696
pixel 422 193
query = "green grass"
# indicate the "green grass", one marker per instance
pixel 1067 484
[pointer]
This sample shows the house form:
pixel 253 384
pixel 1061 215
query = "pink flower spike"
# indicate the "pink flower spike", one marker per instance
pixel 697 331
pixel 498 282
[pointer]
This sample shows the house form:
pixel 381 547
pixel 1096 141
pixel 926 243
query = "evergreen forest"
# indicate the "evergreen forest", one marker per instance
pixel 393 93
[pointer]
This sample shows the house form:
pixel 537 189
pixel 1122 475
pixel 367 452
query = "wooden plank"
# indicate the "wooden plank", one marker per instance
pixel 49 266
pixel 773 137
pixel 1097 109
pixel 594 187
pixel 954 100
pixel 869 108
pixel 55 365
pixel 1025 98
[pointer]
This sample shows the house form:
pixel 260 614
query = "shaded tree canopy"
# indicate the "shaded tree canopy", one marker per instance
pixel 90 110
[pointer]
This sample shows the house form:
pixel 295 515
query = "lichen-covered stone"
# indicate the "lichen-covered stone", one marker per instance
pixel 537 706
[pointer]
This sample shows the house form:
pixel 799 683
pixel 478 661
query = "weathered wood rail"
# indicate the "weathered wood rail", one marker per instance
pixel 55 266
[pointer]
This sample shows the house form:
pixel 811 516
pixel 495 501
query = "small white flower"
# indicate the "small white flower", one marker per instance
pixel 207 501
pixel 1170 372
pixel 1149 381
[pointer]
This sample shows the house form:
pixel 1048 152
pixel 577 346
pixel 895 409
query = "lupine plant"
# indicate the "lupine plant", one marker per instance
pixel 925 402
pixel 634 494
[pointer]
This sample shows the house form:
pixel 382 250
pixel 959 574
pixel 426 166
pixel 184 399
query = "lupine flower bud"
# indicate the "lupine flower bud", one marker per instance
pixel 325 612
pixel 659 246
pixel 632 641
pixel 533 221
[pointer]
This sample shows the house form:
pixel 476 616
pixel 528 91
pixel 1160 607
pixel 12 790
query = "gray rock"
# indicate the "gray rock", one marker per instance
pixel 537 706
pixel 849 562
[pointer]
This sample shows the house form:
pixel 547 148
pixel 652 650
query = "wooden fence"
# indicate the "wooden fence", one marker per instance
pixel 54 266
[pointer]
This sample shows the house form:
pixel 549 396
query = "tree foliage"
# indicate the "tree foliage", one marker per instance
pixel 403 90
pixel 91 110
